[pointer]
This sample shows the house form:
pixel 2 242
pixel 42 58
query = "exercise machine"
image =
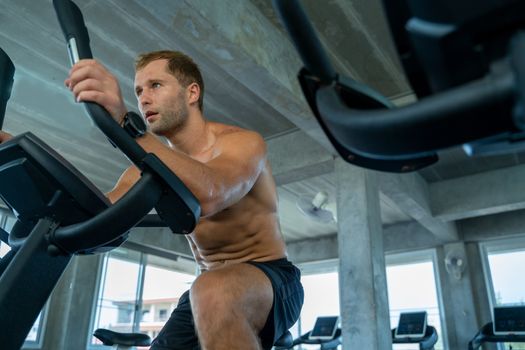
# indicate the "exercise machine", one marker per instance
pixel 465 60
pixel 122 341
pixel 412 328
pixel 326 333
pixel 60 213
pixel 507 326
pixel 7 73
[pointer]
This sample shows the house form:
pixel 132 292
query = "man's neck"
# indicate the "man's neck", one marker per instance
pixel 194 137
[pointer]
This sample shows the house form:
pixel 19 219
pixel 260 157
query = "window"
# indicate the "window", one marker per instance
pixel 163 315
pixel 321 296
pixel 412 286
pixel 502 260
pixel 138 292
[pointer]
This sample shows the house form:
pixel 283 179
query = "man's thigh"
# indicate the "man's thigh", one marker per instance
pixel 238 287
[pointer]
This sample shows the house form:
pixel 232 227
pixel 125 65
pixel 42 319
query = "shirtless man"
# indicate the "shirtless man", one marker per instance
pixel 249 294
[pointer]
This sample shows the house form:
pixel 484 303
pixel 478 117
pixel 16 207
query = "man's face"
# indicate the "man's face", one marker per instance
pixel 161 98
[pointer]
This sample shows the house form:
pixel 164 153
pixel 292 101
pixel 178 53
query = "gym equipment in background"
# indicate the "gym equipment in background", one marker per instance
pixel 122 341
pixel 412 328
pixel 507 326
pixel 325 333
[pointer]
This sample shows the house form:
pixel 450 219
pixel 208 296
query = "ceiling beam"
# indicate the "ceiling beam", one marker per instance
pixel 296 156
pixel 409 192
pixel 408 236
pixel 397 238
pixel 493 226
pixel 485 193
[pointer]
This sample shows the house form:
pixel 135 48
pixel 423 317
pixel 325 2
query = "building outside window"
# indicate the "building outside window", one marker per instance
pixel 137 292
pixel 412 286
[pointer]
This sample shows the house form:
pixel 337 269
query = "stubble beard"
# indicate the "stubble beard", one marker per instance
pixel 171 119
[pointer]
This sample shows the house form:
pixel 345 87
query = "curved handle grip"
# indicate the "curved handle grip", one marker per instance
pixel 76 34
pixel 113 222
pixel 7 72
pixel 174 202
pixel 305 40
pixel 74 29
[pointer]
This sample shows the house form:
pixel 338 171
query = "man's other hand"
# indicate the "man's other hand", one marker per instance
pixel 4 136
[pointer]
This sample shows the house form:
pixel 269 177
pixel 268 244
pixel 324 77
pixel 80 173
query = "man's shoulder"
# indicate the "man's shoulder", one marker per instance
pixel 225 131
pixel 233 139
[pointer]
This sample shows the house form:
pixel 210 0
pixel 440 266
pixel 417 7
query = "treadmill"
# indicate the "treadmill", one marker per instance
pixel 507 326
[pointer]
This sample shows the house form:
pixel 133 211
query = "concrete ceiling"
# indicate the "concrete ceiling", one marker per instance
pixel 250 68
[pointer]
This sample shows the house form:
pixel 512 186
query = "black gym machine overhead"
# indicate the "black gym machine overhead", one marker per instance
pixel 465 61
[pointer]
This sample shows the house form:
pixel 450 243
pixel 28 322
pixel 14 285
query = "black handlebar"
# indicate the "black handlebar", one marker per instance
pixel 486 335
pixel 158 187
pixel 121 216
pixel 77 38
pixel 305 40
pixel 7 71
pixel 435 122
pixel 74 29
pixel 370 133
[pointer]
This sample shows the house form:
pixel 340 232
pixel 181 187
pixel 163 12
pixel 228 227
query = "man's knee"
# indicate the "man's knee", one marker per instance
pixel 209 296
pixel 223 296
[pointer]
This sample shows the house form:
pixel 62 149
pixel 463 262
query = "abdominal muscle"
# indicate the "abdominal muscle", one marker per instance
pixel 236 236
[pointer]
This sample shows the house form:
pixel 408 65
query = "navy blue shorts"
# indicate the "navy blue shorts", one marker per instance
pixel 179 332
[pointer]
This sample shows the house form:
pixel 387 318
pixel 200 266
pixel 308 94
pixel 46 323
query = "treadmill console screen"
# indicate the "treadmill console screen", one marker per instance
pixel 509 320
pixel 324 327
pixel 412 325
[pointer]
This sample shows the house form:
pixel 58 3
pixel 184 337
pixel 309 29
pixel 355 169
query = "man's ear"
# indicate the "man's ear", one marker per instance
pixel 194 92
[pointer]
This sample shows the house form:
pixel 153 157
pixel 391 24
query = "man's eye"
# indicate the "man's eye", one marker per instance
pixel 155 85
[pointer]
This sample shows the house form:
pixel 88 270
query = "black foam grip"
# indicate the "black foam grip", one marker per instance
pixel 73 26
pixel 7 72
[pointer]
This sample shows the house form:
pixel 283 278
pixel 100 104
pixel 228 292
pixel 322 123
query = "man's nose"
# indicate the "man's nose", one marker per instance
pixel 145 98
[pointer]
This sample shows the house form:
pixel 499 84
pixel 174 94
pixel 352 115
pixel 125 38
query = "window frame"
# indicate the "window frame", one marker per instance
pixel 505 245
pixel 420 256
pixel 314 268
pixel 101 274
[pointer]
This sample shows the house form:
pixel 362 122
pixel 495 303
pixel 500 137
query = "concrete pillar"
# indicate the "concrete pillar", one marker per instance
pixel 362 275
pixel 479 288
pixel 459 309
